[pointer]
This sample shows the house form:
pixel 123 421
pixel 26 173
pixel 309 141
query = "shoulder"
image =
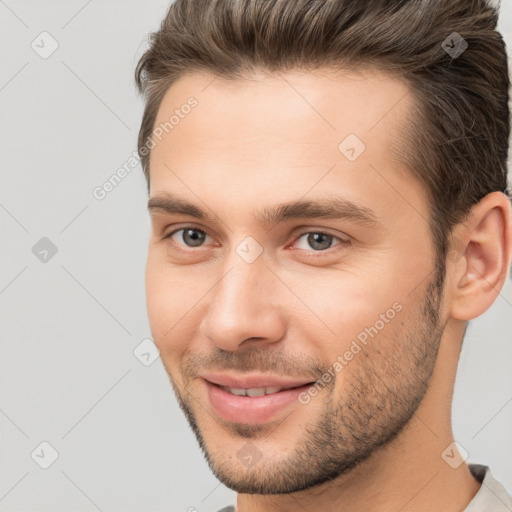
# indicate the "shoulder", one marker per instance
pixel 492 495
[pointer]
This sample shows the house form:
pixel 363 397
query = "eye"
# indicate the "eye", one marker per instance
pixel 319 241
pixel 192 237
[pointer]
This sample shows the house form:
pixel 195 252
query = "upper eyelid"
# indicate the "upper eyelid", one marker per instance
pixel 302 233
pixel 188 226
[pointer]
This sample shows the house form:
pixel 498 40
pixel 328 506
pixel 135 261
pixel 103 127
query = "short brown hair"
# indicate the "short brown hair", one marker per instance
pixel 457 137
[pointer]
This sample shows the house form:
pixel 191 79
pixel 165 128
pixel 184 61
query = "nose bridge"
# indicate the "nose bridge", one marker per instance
pixel 240 305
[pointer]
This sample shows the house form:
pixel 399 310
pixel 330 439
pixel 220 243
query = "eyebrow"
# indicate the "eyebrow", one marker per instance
pixel 325 208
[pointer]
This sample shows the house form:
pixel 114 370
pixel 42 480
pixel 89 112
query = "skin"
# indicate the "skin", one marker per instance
pixel 373 438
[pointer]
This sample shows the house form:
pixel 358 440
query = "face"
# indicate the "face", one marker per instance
pixel 293 262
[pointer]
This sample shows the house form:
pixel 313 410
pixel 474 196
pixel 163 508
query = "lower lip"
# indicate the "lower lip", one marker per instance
pixel 251 409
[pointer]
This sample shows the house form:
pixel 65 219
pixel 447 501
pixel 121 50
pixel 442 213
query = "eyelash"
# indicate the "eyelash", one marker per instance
pixel 341 241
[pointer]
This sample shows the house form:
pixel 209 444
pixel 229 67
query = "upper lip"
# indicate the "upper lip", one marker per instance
pixel 253 381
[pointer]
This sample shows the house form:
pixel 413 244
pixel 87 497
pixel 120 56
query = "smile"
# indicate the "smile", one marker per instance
pixel 252 405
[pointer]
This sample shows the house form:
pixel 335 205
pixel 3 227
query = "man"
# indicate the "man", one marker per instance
pixel 328 195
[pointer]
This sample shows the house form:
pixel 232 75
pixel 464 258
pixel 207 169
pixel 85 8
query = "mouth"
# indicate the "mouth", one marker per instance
pixel 253 404
pixel 256 391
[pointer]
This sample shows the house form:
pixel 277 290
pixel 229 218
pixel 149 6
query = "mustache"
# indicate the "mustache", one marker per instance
pixel 261 361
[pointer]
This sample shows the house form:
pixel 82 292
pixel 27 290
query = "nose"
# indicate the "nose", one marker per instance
pixel 243 306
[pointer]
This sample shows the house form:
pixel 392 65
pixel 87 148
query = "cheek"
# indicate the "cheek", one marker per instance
pixel 366 319
pixel 341 304
pixel 165 300
pixel 175 303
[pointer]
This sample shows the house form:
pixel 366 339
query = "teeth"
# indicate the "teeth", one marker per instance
pixel 252 391
pixel 238 392
pixel 256 392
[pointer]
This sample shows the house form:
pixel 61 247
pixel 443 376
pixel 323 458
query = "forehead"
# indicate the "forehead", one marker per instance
pixel 276 136
pixel 369 91
pixel 313 110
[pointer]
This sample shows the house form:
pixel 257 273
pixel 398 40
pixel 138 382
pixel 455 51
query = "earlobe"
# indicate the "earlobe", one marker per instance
pixel 485 251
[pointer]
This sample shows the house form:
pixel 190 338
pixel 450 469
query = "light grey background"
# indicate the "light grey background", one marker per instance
pixel 69 326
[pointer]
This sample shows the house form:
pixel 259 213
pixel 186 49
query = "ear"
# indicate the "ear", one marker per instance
pixel 480 256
